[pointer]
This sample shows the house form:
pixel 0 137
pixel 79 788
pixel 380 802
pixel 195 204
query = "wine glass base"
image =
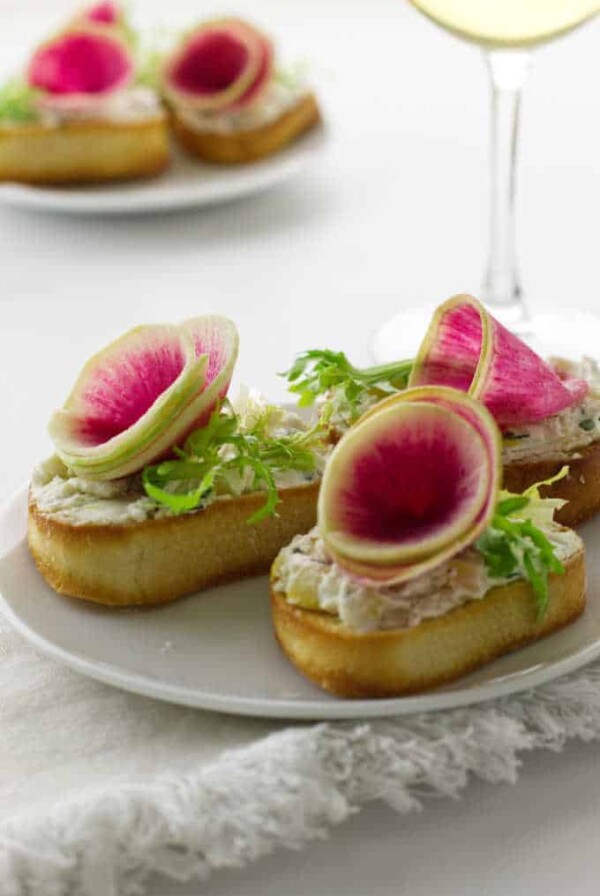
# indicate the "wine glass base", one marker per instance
pixel 549 332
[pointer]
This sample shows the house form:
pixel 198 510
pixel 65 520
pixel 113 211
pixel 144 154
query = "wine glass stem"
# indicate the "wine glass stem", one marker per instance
pixel 502 288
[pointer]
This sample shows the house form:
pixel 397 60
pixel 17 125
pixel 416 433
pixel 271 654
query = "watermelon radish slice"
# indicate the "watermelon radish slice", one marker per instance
pixel 265 71
pixel 409 481
pixel 222 65
pixel 380 494
pixel 468 349
pixel 107 17
pixel 126 400
pixel 142 394
pixel 480 418
pixel 474 413
pixel 106 13
pixel 89 61
pixel 216 339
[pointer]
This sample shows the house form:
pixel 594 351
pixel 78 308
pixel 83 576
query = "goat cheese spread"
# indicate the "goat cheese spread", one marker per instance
pixel 79 501
pixel 132 105
pixel 563 433
pixel 278 98
pixel 309 578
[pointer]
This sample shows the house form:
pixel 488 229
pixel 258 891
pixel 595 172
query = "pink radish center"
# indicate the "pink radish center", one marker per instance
pixel 212 62
pixel 413 479
pixel 455 354
pixel 211 343
pixel 514 382
pixel 80 63
pixel 105 13
pixel 122 391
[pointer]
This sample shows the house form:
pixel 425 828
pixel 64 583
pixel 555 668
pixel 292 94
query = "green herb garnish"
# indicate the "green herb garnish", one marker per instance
pixel 17 102
pixel 348 390
pixel 148 68
pixel 149 56
pixel 587 425
pixel 513 545
pixel 293 75
pixel 510 436
pixel 226 457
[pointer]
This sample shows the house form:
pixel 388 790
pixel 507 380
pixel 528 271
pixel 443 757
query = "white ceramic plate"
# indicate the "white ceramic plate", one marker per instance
pixel 216 650
pixel 186 183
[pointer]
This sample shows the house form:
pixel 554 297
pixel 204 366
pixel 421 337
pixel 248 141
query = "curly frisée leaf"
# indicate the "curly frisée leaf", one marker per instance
pixel 155 477
pixel 18 102
pixel 347 390
pixel 541 510
pixel 293 75
pixel 224 457
pixel 514 544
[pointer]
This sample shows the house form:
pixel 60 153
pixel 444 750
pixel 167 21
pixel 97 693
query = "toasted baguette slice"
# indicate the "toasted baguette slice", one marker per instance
pixel 161 559
pixel 580 488
pixel 394 662
pixel 83 151
pixel 248 145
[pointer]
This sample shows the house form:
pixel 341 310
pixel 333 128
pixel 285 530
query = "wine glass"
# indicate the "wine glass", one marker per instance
pixel 507 31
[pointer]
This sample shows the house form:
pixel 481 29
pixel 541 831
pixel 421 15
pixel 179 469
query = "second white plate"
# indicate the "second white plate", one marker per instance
pixel 186 183
pixel 216 650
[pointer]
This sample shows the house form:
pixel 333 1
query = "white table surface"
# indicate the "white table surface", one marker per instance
pixel 395 214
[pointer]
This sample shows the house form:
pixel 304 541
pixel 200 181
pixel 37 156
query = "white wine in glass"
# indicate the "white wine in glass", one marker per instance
pixel 507 31
pixel 508 23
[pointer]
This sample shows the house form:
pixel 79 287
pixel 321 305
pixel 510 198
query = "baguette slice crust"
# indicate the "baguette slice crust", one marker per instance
pixel 158 560
pixel 83 151
pixel 394 662
pixel 248 145
pixel 581 487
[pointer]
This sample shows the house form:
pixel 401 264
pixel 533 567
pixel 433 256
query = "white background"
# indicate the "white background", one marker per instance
pixel 395 213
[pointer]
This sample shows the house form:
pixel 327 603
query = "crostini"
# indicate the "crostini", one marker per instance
pixel 159 486
pixel 228 100
pixel 420 569
pixel 548 412
pixel 81 112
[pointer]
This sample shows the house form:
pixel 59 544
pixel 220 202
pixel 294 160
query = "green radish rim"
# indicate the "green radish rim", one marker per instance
pixel 146 448
pixel 483 367
pixel 95 460
pixel 383 577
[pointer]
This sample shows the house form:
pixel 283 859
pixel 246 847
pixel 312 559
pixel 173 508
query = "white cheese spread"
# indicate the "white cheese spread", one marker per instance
pixel 277 99
pixel 123 106
pixel 564 433
pixel 308 577
pixel 79 501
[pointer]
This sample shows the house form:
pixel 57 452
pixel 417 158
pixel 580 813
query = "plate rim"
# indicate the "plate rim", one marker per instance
pixel 140 198
pixel 280 708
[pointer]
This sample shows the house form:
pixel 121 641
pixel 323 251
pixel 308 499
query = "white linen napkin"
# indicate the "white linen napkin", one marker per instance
pixel 100 788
